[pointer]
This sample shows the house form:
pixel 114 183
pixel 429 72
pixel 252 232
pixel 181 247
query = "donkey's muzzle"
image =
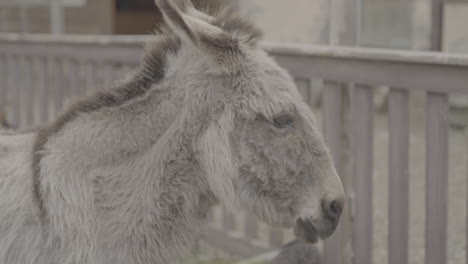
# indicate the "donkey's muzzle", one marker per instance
pixel 310 231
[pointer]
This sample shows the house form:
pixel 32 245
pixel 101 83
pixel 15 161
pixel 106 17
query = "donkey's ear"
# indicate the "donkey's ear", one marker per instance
pixel 194 26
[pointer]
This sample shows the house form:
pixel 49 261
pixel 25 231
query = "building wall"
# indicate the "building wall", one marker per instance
pixel 455 36
pixel 383 23
pixel 299 21
pixel 96 17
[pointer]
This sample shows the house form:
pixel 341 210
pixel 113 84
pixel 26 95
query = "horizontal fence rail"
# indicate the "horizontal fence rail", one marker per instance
pixel 39 74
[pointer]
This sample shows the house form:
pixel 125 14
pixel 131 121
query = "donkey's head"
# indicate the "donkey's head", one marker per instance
pixel 260 147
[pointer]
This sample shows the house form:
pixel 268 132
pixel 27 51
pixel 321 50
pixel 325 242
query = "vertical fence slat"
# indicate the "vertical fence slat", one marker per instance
pixel 3 86
pixel 3 76
pixel 107 74
pixel 28 92
pixel 91 82
pixel 399 176
pixel 333 129
pixel 362 148
pixel 303 85
pixel 81 69
pixel 73 78
pixel 436 177
pixel 51 83
pixel 42 91
pixel 13 85
pixel 22 90
pixel 60 87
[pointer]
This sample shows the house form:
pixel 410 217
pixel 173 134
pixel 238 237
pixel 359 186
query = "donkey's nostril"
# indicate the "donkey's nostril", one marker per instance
pixel 332 209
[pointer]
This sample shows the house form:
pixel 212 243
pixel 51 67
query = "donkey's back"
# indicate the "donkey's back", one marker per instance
pixel 19 226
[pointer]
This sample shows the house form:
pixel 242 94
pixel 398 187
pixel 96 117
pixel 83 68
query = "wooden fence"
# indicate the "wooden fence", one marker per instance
pixel 39 72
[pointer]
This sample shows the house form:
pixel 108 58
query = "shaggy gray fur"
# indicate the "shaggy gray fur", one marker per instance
pixel 298 253
pixel 128 175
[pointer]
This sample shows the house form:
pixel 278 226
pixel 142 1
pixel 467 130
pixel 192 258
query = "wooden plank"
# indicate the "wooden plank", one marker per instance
pixel 124 47
pixel 82 77
pixel 399 176
pixel 3 83
pixel 14 89
pixel 443 72
pixel 22 92
pixel 60 87
pixel 95 51
pixel 73 78
pixel 303 86
pixel 106 71
pixel 362 155
pixel 407 75
pixel 42 91
pixel 51 84
pixel 91 83
pixel 333 133
pixel 28 90
pixel 436 177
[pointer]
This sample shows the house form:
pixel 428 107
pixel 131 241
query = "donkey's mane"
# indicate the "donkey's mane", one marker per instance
pixel 151 71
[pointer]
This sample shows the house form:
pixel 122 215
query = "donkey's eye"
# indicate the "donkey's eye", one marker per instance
pixel 283 121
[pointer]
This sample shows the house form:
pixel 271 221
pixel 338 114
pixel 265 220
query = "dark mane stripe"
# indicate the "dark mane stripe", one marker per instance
pixel 151 71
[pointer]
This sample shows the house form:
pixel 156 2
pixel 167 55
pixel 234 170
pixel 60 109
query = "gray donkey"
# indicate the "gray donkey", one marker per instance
pixel 128 175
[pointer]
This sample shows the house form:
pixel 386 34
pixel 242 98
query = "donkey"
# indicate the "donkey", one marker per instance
pixel 128 174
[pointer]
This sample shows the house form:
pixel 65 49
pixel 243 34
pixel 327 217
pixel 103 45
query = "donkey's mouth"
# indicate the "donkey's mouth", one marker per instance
pixel 306 231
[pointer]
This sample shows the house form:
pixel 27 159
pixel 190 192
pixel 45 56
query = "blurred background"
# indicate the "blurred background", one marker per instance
pixel 401 24
pixel 388 80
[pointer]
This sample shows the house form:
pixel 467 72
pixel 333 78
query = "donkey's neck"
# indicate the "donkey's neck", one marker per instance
pixel 163 193
pixel 134 179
